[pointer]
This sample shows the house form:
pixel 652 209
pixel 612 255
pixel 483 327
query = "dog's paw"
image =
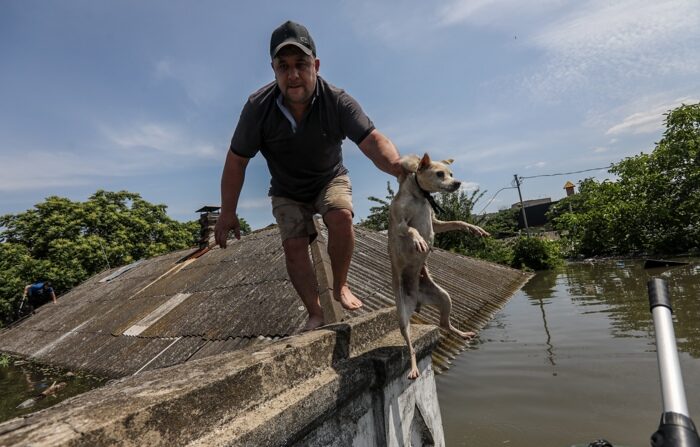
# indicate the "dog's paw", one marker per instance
pixel 420 245
pixel 477 230
pixel 468 335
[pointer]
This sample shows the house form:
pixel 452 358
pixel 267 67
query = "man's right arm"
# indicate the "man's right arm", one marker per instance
pixel 231 185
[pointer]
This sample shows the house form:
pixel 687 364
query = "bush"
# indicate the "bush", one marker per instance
pixel 493 250
pixel 536 254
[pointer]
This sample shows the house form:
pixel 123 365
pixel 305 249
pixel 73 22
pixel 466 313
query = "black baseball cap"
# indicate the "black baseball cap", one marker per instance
pixel 292 33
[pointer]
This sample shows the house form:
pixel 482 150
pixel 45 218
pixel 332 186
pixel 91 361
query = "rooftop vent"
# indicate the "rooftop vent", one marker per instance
pixel 207 221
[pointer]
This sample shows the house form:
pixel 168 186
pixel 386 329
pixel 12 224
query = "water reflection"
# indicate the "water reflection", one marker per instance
pixel 28 387
pixel 570 359
pixel 622 287
pixel 539 289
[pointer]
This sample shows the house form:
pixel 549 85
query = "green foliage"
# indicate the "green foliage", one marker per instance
pixel 4 360
pixel 654 207
pixel 458 206
pixel 245 228
pixel 378 218
pixel 536 253
pixel 502 224
pixel 494 250
pixel 16 266
pixel 66 242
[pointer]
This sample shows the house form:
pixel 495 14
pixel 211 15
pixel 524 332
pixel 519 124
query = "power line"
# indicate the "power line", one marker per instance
pixel 566 173
pixel 536 176
pixel 494 196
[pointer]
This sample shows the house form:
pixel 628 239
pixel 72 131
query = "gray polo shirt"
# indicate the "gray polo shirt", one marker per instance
pixel 302 160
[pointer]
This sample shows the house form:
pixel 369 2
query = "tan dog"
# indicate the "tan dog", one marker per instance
pixel 412 228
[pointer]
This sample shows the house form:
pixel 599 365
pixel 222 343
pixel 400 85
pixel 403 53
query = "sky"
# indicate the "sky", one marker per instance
pixel 144 96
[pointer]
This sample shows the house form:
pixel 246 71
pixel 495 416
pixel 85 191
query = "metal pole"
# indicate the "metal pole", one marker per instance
pixel 676 429
pixel 672 389
pixel 522 207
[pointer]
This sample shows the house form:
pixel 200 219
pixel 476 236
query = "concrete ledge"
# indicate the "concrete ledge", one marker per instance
pixel 272 396
pixel 356 336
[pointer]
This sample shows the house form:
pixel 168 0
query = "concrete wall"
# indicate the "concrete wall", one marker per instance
pixel 341 386
pixel 401 413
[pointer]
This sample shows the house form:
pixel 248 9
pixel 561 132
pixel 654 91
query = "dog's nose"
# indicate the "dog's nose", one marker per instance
pixel 457 185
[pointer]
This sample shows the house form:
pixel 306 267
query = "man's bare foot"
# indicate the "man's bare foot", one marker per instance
pixel 314 322
pixel 347 299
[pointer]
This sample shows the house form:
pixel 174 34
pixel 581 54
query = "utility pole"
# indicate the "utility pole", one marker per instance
pixel 522 207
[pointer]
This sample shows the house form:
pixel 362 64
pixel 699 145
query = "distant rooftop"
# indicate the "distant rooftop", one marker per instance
pixel 533 202
pixel 208 209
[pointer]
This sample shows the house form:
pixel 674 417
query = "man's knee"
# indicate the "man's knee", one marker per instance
pixel 339 220
pixel 296 248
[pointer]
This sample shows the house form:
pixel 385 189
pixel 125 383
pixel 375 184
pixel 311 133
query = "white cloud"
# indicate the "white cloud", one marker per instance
pixel 539 164
pixel 491 12
pixel 443 135
pixel 600 27
pixel 39 169
pixel 596 47
pixel 134 151
pixel 259 202
pixel 162 138
pixel 600 149
pixel 648 121
pixel 416 22
pixel 603 46
pixel 199 81
pixel 493 152
pixel 469 186
pixel 163 69
pixel 642 122
pixel 465 10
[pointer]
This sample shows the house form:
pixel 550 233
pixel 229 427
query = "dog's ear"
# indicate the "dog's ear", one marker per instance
pixel 448 161
pixel 410 163
pixel 424 162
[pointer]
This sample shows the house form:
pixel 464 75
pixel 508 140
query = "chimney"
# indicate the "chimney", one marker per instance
pixel 569 187
pixel 207 220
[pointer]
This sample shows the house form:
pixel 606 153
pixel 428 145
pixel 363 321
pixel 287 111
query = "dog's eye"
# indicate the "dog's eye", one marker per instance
pixel 441 174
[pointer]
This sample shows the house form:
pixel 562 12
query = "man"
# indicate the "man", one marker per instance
pixel 38 294
pixel 298 122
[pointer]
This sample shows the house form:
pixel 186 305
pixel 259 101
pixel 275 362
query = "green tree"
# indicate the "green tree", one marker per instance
pixel 66 242
pixel 378 218
pixel 502 224
pixel 245 228
pixel 654 206
pixel 458 206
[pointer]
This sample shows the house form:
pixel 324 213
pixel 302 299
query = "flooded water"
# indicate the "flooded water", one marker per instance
pixel 572 359
pixel 33 387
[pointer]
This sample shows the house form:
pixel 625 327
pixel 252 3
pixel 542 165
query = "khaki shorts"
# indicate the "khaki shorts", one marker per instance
pixel 295 219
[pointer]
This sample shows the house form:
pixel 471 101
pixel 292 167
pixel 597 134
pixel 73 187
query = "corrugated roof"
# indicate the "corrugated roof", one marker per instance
pixel 478 288
pixel 166 311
